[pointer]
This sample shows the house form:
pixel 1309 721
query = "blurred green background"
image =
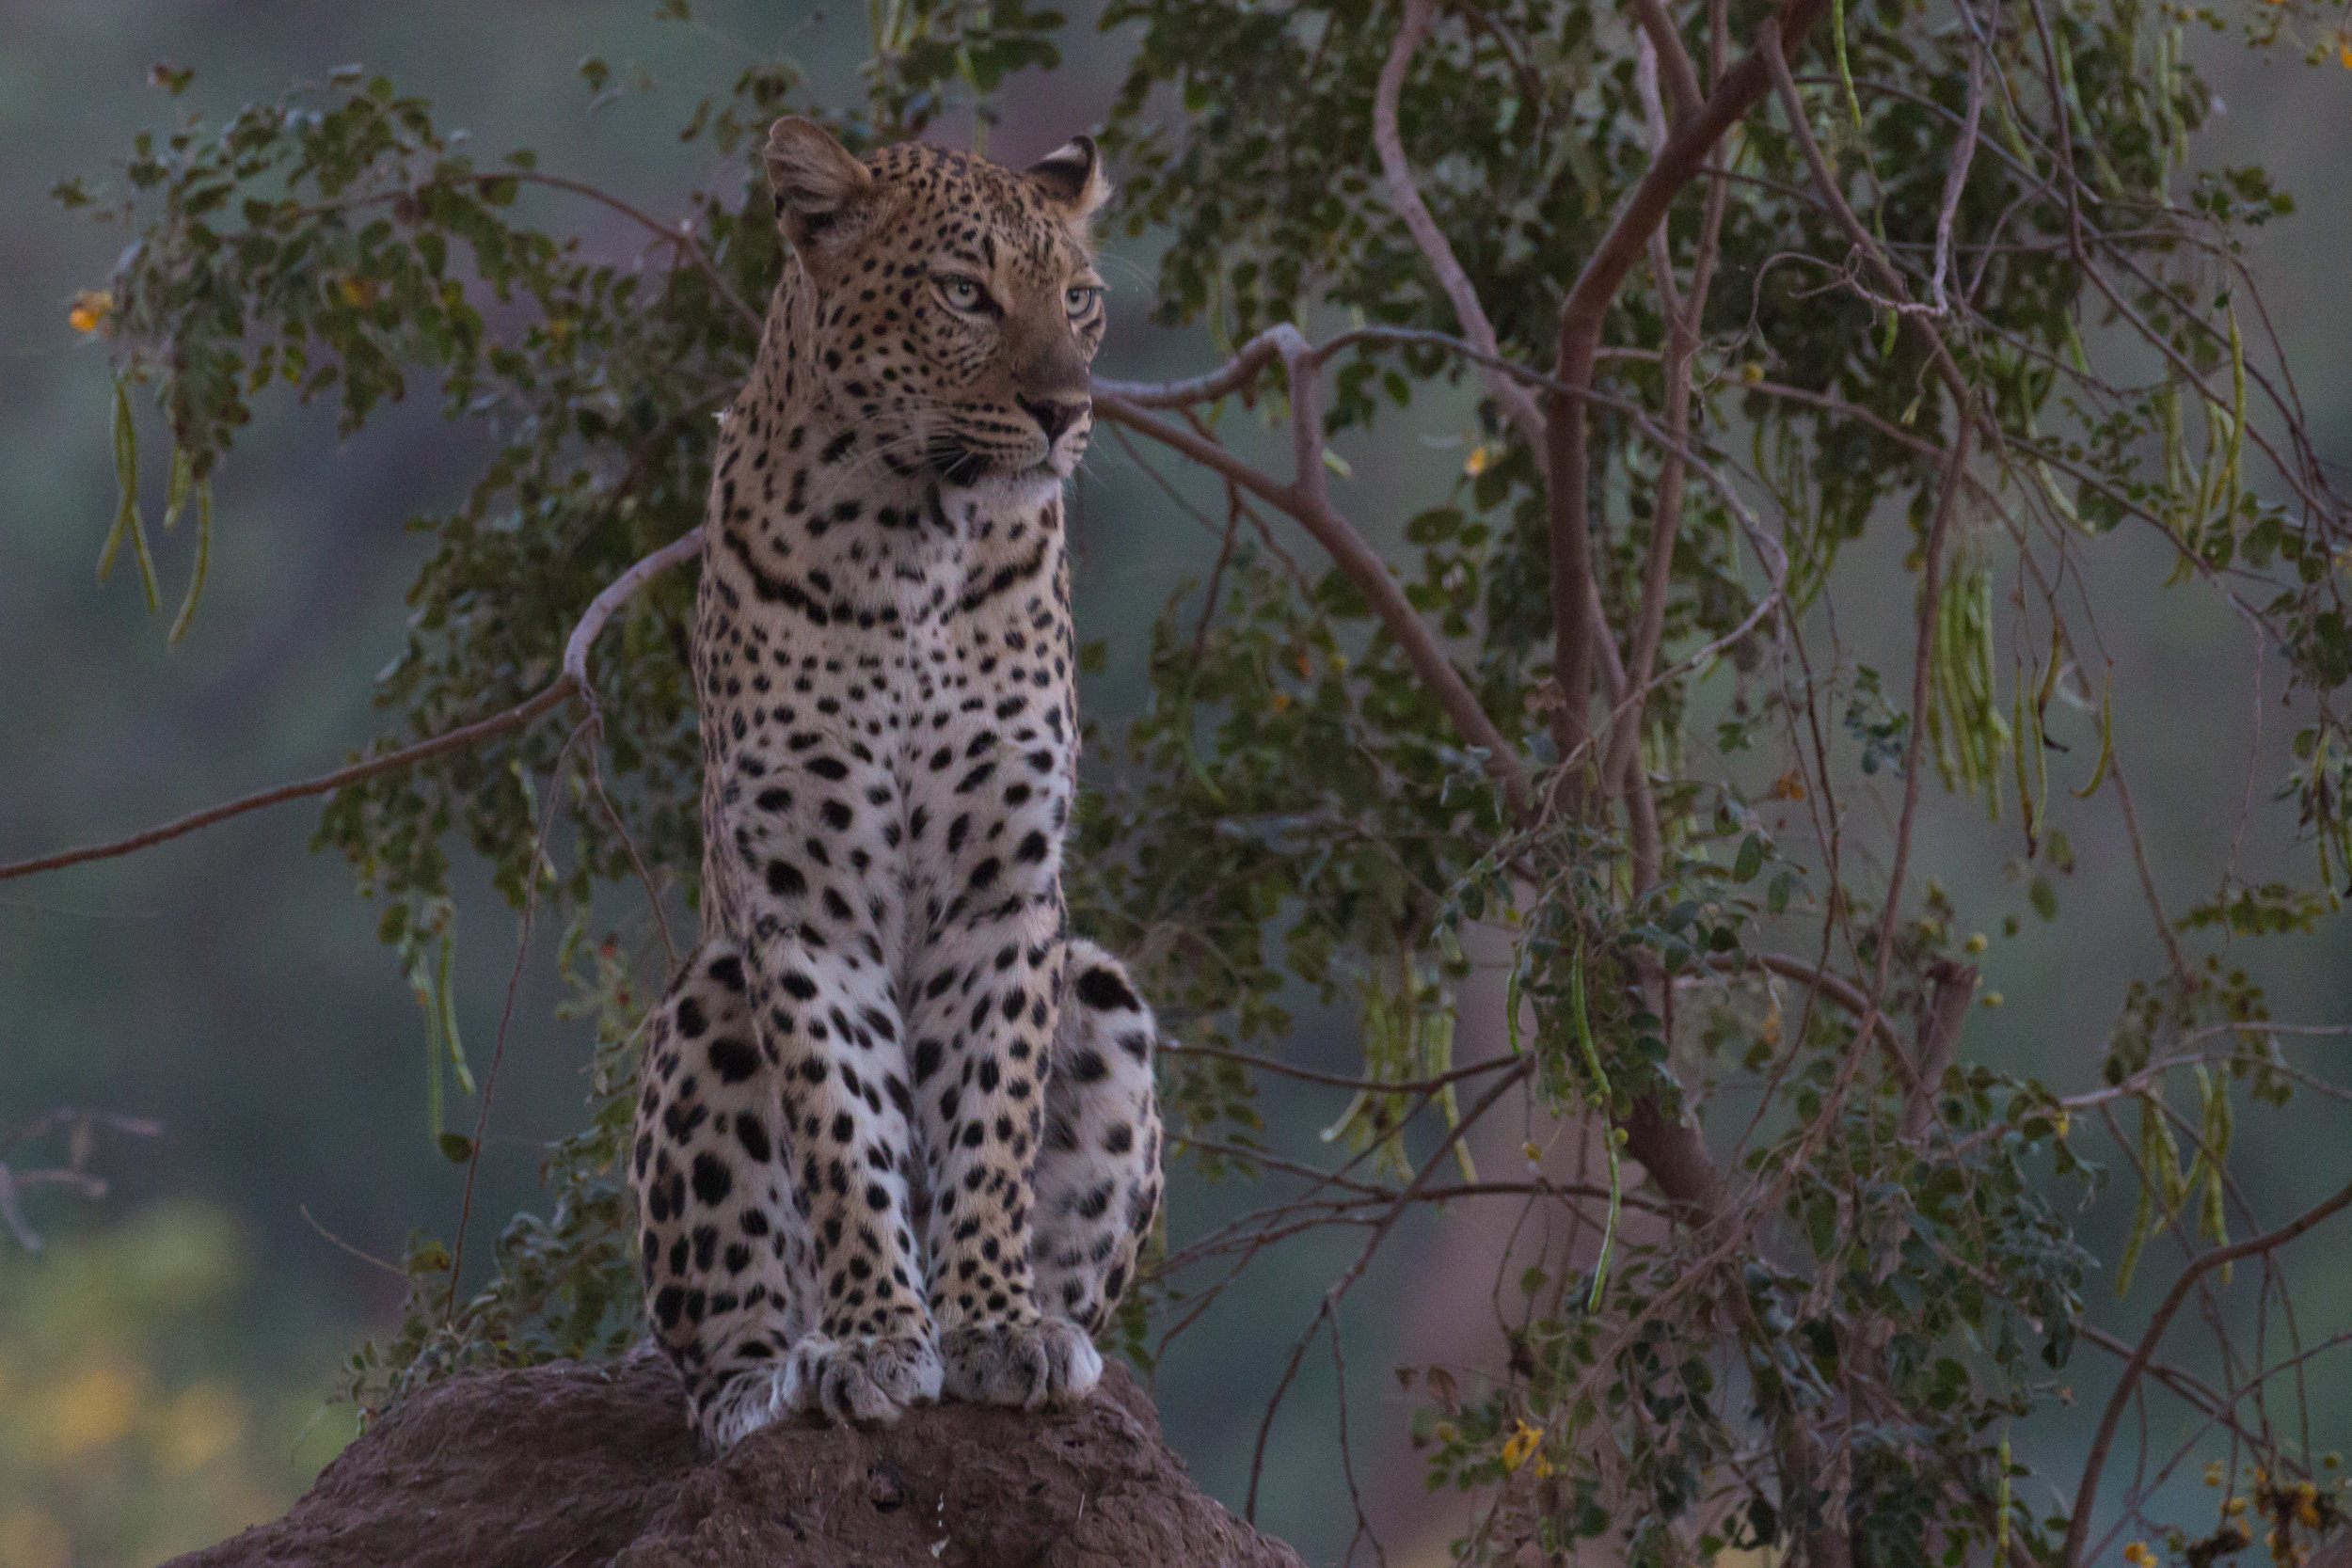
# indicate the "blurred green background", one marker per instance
pixel 165 1362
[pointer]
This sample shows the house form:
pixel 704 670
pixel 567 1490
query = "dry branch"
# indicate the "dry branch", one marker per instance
pixel 1574 592
pixel 1405 196
pixel 573 682
pixel 2078 1526
pixel 1365 568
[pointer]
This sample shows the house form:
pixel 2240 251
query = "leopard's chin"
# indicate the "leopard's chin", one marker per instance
pixel 996 494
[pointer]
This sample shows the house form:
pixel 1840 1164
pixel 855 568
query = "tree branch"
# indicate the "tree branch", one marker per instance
pixel 572 682
pixel 1683 316
pixel 1681 78
pixel 1574 593
pixel 1340 1287
pixel 1363 565
pixel 1406 197
pixel 2078 1526
pixel 681 234
pixel 1958 177
pixel 1923 657
pixel 1825 181
pixel 1952 991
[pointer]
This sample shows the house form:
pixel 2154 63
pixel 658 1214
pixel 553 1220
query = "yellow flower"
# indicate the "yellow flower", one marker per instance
pixel 1752 374
pixel 1480 458
pixel 2213 1473
pixel 2343 54
pixel 2234 1507
pixel 2139 1555
pixel 1519 1446
pixel 91 308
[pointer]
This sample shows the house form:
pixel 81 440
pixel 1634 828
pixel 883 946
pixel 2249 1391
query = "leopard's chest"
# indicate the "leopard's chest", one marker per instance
pixel 892 619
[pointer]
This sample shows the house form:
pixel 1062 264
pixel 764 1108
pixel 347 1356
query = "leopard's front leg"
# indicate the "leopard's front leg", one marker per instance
pixel 985 980
pixel 803 820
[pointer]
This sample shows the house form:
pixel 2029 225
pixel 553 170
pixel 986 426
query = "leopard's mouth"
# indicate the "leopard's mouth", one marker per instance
pixel 957 463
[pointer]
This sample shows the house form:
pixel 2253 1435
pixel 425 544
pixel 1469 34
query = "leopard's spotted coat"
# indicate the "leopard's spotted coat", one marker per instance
pixel 896 1136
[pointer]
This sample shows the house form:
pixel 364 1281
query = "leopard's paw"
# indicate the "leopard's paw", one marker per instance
pixel 867 1380
pixel 1028 1365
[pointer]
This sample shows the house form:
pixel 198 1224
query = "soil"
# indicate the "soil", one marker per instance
pixel 569 1465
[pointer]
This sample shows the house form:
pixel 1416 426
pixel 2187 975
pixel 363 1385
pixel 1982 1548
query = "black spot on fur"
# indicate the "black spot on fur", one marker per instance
pixel 754 1137
pixel 733 1060
pixel 713 1181
pixel 1105 992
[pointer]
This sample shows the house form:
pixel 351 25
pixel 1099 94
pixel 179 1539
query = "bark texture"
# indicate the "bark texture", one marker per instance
pixel 580 1467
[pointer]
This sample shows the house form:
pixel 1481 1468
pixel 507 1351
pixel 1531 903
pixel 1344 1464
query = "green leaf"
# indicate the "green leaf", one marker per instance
pixel 1751 859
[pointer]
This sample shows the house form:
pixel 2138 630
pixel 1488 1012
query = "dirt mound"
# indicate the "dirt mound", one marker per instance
pixel 578 1466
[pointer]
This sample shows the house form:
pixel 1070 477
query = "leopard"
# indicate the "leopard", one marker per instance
pixel 897 1138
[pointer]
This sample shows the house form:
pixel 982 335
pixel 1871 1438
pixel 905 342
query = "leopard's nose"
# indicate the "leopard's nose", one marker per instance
pixel 1056 414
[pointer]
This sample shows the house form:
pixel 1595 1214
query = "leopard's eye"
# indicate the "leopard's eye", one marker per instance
pixel 962 293
pixel 1078 300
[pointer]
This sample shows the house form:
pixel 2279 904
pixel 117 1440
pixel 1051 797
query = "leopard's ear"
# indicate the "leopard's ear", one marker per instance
pixel 1071 178
pixel 818 186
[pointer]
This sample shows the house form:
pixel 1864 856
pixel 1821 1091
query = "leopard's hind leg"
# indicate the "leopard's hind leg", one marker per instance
pixel 724 1254
pixel 1098 1173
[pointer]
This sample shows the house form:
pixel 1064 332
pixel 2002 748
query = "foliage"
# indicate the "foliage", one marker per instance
pixel 1833 1315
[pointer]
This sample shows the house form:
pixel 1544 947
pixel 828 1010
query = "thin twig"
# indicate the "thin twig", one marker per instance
pixel 1825 185
pixel 572 681
pixel 1340 1287
pixel 506 1013
pixel 680 234
pixel 1267 1064
pixel 1958 179
pixel 2078 1526
pixel 1366 569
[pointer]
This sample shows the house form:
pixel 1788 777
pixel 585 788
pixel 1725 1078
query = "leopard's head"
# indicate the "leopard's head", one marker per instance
pixel 955 306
